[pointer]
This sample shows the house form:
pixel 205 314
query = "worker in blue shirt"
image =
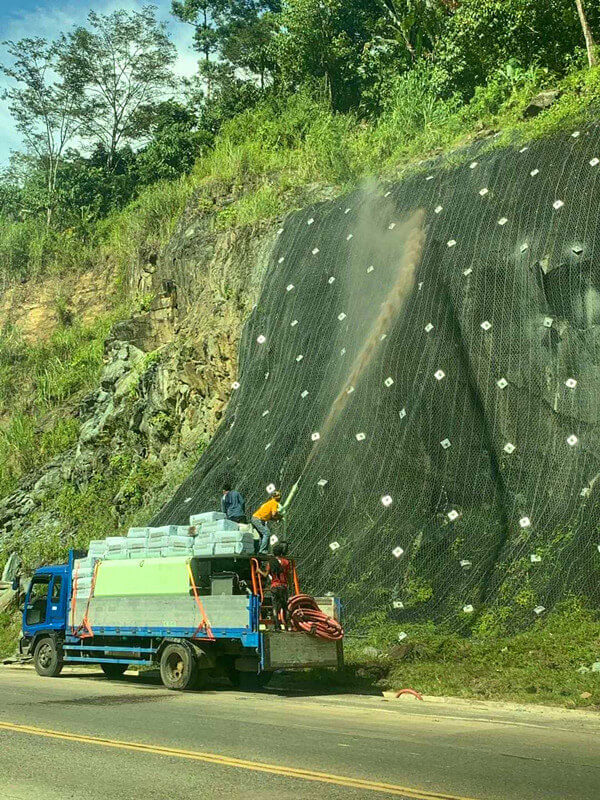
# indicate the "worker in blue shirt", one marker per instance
pixel 233 504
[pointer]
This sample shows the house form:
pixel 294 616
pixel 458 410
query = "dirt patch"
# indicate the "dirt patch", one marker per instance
pixel 38 308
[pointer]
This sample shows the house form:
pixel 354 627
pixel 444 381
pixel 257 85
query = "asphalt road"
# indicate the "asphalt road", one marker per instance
pixel 85 737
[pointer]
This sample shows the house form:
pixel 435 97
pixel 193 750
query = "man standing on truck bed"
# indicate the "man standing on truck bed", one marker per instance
pixel 269 511
pixel 233 504
pixel 279 570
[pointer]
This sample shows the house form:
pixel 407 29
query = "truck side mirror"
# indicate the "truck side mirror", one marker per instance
pixel 16 584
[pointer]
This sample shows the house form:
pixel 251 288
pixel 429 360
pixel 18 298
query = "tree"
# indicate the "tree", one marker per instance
pixel 46 104
pixel 590 45
pixel 482 36
pixel 175 143
pixel 321 42
pixel 231 34
pixel 246 36
pixel 124 63
pixel 415 23
pixel 88 189
pixel 204 16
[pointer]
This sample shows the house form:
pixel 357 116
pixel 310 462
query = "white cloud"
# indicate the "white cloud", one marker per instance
pixel 48 21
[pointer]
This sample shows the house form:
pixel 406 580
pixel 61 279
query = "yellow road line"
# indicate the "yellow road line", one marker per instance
pixel 226 761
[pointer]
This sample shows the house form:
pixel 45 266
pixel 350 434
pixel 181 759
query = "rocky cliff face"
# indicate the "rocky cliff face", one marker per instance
pixel 162 393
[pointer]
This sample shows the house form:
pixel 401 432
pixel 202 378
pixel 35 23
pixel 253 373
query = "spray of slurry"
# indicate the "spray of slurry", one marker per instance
pixel 413 234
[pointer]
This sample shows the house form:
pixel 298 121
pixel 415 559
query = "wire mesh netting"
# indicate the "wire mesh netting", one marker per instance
pixel 447 450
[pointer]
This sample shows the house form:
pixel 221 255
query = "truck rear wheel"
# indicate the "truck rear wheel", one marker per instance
pixel 178 666
pixel 48 658
pixel 113 670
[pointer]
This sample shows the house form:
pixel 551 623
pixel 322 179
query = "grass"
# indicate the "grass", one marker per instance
pixel 278 149
pixel 28 249
pixel 10 625
pixel 36 380
pixel 539 665
pixel 138 231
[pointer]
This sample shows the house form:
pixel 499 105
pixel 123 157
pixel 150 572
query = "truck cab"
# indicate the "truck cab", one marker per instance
pixel 45 607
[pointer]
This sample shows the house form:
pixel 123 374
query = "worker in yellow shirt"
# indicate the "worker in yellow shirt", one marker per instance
pixel 268 512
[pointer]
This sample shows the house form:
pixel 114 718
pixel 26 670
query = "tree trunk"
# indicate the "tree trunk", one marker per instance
pixel 587 33
pixel 49 192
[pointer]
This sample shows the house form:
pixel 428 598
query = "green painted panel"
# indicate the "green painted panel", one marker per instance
pixel 143 576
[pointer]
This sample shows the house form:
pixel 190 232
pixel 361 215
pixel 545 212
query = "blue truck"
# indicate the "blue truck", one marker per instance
pixel 190 616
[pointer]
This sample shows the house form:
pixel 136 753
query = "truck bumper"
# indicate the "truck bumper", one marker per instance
pixel 294 650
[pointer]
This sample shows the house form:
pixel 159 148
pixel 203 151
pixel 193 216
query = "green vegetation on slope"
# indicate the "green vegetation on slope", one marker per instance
pixel 549 664
pixel 35 381
pixel 10 625
pixel 268 158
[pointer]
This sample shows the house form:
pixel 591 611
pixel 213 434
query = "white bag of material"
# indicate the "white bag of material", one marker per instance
pixel 117 555
pixel 221 537
pixel 180 541
pixel 170 541
pixel 140 552
pixel 84 572
pixel 115 542
pixel 234 548
pixel 245 528
pixel 169 530
pixel 203 550
pixel 84 563
pixel 219 525
pixel 165 552
pixel 84 583
pixel 156 544
pixel 208 516
pixel 96 548
pixel 137 533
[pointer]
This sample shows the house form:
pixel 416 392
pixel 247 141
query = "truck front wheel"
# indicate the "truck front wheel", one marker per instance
pixel 178 666
pixel 48 658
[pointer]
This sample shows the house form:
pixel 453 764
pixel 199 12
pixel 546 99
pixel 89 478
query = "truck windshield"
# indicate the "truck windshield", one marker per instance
pixel 38 600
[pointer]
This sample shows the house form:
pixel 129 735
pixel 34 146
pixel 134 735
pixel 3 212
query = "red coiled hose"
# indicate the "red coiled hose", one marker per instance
pixel 306 616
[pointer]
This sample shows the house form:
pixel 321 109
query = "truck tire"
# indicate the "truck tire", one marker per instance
pixel 113 670
pixel 178 666
pixel 48 658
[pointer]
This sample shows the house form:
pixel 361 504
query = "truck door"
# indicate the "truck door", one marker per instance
pixel 56 606
pixel 36 606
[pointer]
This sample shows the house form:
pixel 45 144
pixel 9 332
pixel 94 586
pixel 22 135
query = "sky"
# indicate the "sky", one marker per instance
pixel 48 19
